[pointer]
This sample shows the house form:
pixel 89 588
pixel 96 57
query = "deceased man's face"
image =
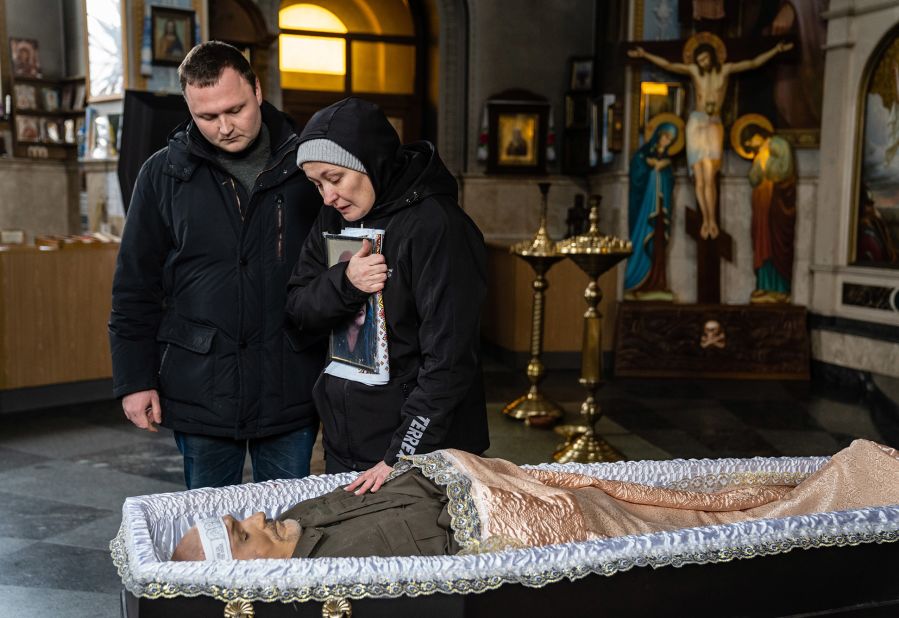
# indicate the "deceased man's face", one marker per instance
pixel 251 538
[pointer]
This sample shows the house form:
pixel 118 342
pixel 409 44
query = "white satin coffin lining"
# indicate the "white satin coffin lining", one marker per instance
pixel 152 526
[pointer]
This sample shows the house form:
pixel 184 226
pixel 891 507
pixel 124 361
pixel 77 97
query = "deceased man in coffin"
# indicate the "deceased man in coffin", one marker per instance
pixel 552 521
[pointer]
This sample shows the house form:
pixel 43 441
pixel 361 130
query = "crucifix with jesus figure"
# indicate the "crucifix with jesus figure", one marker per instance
pixel 704 61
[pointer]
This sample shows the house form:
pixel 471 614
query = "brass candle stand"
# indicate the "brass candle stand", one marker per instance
pixel 541 254
pixel 595 254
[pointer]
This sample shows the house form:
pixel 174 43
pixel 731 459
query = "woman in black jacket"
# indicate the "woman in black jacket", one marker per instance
pixel 431 272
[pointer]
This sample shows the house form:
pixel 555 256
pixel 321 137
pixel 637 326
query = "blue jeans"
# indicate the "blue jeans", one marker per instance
pixel 216 462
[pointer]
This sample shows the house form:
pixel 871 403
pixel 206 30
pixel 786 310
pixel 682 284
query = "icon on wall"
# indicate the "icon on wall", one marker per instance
pixel 26 61
pixel 173 34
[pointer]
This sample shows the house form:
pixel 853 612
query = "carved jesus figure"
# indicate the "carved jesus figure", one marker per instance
pixel 705 133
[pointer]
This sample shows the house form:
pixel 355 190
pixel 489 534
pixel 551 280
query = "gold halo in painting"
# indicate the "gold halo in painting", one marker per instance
pixel 743 122
pixel 662 118
pixel 704 37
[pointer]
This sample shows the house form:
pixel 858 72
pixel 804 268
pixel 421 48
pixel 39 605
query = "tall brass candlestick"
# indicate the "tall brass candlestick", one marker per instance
pixel 541 254
pixel 595 254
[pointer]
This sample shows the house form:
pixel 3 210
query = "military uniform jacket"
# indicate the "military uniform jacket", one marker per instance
pixel 406 517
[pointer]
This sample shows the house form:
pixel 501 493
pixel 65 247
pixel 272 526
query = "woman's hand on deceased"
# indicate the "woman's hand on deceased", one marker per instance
pixel 371 479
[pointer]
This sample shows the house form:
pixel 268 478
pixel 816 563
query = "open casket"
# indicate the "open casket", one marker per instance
pixel 837 562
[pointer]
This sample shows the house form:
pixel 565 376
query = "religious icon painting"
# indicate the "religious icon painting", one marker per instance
pixel 50 98
pixel 27 129
pixel 580 74
pixel 172 34
pixel 517 136
pixel 25 58
pixel 26 96
pixel 518 139
pixel 875 223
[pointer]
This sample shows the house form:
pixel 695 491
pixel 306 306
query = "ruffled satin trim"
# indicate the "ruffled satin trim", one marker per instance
pixel 143 567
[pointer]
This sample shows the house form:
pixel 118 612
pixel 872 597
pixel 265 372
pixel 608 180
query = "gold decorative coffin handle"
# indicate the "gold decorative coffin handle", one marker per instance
pixel 337 608
pixel 239 609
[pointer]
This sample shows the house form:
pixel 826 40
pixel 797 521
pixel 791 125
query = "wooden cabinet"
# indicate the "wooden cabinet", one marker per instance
pixel 54 307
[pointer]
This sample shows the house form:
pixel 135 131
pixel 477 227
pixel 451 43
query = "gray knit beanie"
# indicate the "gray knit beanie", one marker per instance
pixel 326 151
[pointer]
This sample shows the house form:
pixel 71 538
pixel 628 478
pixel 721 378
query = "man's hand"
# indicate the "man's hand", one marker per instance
pixel 142 408
pixel 367 271
pixel 371 479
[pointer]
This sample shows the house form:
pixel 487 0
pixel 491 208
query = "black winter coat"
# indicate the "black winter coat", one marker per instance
pixel 432 301
pixel 199 293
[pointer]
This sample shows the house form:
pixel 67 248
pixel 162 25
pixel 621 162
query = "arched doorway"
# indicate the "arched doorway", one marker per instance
pixel 240 23
pixel 377 49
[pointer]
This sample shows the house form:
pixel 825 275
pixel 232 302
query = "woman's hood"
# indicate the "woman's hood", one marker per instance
pixel 361 128
pixel 401 175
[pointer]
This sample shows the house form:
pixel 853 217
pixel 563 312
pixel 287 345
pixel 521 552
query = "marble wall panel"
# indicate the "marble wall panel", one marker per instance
pixel 880 357
pixel 39 197
pixel 508 208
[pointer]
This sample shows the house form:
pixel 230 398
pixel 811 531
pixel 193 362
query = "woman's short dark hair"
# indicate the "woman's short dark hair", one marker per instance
pixel 203 65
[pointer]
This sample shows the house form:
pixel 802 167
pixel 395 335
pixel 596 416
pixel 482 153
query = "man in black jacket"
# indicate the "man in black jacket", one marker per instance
pixel 435 257
pixel 198 333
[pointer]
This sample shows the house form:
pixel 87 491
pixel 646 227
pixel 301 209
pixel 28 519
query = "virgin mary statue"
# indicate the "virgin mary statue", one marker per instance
pixel 649 216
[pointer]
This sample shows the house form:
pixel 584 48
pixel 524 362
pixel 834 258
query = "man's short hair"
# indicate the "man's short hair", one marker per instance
pixel 203 65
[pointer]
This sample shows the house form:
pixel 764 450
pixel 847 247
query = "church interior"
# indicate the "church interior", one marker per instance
pixel 690 210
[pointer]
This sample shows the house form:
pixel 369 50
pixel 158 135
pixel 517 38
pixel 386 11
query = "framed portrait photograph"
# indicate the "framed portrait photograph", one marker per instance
pixel 28 129
pixel 26 96
pixel 50 131
pixel 172 34
pixel 517 137
pixel 580 76
pixel 25 59
pixel 355 341
pixel 50 98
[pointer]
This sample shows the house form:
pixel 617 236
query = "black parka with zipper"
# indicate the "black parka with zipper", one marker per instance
pixel 432 301
pixel 200 287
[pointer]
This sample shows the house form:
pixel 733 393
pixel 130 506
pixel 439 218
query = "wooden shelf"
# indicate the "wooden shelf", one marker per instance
pixel 47 81
pixel 63 144
pixel 69 113
pixel 36 115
